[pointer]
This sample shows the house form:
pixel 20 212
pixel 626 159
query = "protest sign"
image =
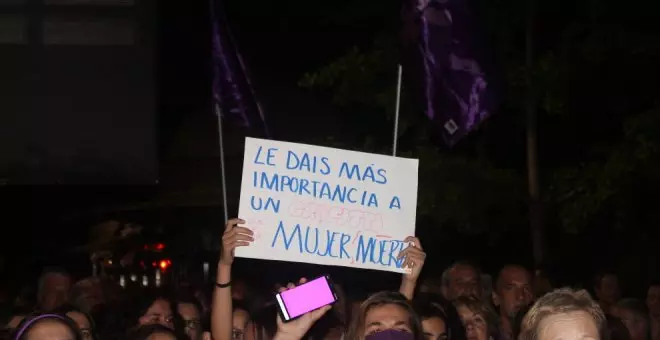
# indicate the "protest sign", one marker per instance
pixel 327 206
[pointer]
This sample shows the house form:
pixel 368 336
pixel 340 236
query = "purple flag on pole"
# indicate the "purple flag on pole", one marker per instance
pixel 232 90
pixel 444 62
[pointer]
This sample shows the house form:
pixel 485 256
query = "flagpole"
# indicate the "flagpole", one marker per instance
pixel 396 110
pixel 218 113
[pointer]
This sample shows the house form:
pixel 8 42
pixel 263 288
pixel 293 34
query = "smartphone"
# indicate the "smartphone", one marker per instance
pixel 305 298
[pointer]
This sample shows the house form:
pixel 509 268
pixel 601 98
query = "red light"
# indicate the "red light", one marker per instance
pixel 164 264
pixel 160 246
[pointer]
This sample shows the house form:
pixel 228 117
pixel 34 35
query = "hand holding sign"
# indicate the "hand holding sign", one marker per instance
pixel 327 206
pixel 234 236
pixel 296 329
pixel 413 258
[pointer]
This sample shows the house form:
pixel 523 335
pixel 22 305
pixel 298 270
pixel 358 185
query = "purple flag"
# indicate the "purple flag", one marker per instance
pixel 444 63
pixel 232 91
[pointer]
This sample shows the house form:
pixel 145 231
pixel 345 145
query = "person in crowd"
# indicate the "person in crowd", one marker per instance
pixel 47 327
pixel 83 320
pixel 86 294
pixel 153 307
pixel 190 311
pixel 564 314
pixel 240 319
pixel 617 329
pixel 635 315
pixel 153 332
pixel 606 287
pixel 461 279
pixel 53 289
pixel 513 291
pixel 653 304
pixel 386 315
pixel 478 317
pixel 440 321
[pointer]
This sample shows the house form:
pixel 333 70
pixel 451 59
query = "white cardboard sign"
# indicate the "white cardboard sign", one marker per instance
pixel 327 206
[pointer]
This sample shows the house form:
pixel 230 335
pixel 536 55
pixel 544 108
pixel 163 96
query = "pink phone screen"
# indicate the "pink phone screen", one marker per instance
pixel 307 297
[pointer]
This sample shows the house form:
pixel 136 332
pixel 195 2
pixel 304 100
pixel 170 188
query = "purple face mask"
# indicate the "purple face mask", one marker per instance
pixel 390 334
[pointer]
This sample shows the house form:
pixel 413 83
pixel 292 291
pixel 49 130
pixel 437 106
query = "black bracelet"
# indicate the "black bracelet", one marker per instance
pixel 223 285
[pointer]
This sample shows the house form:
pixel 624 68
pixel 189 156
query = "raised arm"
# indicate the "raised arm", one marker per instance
pixel 414 257
pixel 222 309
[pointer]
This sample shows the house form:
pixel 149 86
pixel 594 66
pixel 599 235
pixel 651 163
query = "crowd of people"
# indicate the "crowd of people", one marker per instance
pixel 458 306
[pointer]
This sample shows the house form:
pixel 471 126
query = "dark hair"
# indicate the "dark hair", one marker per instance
pixel 190 300
pixel 617 329
pixel 598 278
pixel 23 329
pixel 265 321
pixel 447 272
pixel 67 308
pixel 144 332
pixel 145 299
pixel 429 305
pixel 45 273
pixel 111 320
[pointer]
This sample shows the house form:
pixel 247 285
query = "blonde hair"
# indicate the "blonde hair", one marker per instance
pixel 484 309
pixel 561 301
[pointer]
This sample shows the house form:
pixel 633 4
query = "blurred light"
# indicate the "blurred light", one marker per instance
pixel 122 281
pixel 133 277
pixel 158 278
pixel 159 246
pixel 145 280
pixel 206 270
pixel 164 264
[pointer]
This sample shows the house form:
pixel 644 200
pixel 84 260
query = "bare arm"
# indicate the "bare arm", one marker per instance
pixel 222 309
pixel 414 257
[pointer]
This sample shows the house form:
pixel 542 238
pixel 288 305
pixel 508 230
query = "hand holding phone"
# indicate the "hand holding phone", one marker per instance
pixel 296 327
pixel 306 297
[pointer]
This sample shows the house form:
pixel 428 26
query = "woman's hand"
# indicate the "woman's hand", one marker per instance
pixel 234 236
pixel 296 329
pixel 414 257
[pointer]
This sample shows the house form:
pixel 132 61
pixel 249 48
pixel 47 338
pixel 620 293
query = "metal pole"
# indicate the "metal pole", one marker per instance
pixel 218 113
pixel 396 110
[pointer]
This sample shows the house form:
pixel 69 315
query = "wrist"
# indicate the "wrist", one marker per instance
pixel 224 273
pixel 408 281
